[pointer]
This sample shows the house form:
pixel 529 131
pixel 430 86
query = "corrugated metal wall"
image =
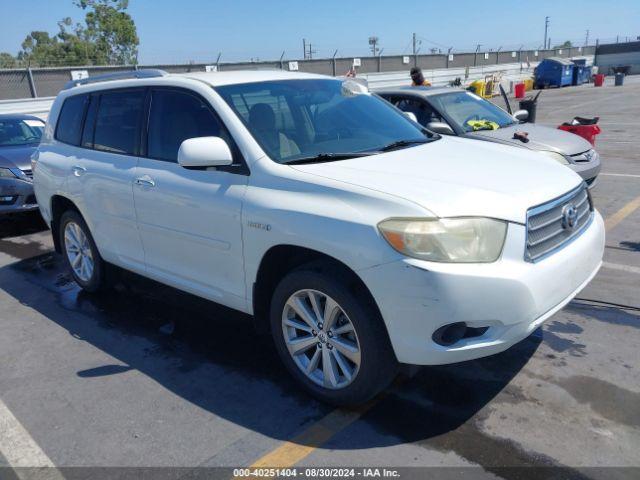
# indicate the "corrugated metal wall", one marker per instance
pixel 618 55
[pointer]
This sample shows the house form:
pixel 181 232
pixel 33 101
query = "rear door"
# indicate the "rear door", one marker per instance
pixel 102 172
pixel 189 219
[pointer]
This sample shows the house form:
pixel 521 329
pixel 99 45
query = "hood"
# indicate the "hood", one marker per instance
pixel 540 138
pixel 17 156
pixel 458 177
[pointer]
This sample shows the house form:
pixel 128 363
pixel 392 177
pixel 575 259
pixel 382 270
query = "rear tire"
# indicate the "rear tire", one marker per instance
pixel 344 356
pixel 80 252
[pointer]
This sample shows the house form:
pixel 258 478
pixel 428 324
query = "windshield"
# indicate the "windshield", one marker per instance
pixel 471 113
pixel 327 119
pixel 20 131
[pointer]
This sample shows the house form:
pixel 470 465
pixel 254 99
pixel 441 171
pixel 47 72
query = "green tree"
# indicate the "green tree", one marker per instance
pixel 566 44
pixel 111 29
pixel 7 60
pixel 108 36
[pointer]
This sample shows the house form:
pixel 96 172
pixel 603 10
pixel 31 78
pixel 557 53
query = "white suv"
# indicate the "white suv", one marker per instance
pixel 358 238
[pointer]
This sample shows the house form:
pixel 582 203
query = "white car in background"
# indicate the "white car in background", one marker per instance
pixel 360 240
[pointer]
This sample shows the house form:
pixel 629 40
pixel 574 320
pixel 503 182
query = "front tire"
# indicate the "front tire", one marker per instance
pixel 330 337
pixel 80 252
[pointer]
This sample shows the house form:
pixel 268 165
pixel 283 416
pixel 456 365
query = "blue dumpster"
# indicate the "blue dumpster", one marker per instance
pixel 554 72
pixel 581 72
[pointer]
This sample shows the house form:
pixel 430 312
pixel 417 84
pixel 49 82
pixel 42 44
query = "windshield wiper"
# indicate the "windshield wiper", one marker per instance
pixel 327 157
pixel 403 144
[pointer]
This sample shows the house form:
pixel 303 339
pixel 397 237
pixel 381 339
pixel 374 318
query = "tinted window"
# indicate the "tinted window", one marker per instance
pixel 69 126
pixel 16 131
pixel 176 116
pixel 118 121
pixel 423 112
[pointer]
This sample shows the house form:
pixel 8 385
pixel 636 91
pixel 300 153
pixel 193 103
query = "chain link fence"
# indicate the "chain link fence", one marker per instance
pixel 47 82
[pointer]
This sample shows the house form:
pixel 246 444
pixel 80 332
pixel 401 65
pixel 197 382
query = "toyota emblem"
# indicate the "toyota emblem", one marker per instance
pixel 569 217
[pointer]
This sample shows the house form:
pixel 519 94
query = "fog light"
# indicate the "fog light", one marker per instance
pixel 449 334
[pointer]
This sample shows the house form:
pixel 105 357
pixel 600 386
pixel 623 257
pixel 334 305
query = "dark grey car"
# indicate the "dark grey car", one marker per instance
pixel 19 138
pixel 454 111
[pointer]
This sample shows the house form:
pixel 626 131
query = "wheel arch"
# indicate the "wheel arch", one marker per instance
pixel 59 205
pixel 279 260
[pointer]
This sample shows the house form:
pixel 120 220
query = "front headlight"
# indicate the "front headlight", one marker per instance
pixel 452 240
pixel 558 157
pixel 7 173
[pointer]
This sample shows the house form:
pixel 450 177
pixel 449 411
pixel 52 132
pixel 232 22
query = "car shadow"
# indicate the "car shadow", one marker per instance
pixel 210 356
pixel 15 224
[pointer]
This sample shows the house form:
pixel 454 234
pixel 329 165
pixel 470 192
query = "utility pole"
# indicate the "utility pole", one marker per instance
pixel 475 55
pixel 373 45
pixel 546 29
pixel 586 40
pixel 380 59
pixel 415 51
pixel 307 50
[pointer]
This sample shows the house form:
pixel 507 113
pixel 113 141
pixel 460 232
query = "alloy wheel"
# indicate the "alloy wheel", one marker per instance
pixel 321 339
pixel 78 251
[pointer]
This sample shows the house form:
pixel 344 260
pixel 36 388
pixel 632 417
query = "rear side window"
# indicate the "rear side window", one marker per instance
pixel 69 127
pixel 175 117
pixel 118 121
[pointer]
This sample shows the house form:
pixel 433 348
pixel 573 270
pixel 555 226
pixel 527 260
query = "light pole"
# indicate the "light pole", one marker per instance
pixel 373 44
pixel 546 29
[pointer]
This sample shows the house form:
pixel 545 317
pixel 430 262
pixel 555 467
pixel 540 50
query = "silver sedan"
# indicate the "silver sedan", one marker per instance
pixel 451 111
pixel 19 138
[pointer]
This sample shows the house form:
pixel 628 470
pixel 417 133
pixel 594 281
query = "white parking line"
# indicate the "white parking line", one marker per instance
pixel 620 175
pixel 20 450
pixel 624 268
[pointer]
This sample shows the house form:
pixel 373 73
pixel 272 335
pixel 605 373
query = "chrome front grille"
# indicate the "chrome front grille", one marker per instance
pixel 585 157
pixel 553 224
pixel 28 173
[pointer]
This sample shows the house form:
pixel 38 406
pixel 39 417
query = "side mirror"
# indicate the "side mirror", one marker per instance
pixel 411 116
pixel 440 127
pixel 202 152
pixel 521 115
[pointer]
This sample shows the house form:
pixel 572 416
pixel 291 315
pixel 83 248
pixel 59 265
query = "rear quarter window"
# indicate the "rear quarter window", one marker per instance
pixel 69 126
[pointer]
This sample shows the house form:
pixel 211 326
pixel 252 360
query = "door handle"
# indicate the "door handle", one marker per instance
pixel 78 170
pixel 145 181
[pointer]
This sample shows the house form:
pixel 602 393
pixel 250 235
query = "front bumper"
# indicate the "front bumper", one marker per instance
pixel 511 297
pixel 588 170
pixel 16 195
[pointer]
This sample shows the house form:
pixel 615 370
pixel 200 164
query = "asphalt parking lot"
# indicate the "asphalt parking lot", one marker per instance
pixel 146 376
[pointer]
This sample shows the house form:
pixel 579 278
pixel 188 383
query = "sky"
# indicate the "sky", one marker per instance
pixel 177 31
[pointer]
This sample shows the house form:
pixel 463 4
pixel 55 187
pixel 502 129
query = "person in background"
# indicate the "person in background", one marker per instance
pixel 417 78
pixel 351 73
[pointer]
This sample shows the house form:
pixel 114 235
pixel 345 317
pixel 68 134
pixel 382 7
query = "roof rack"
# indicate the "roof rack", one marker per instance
pixel 144 73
